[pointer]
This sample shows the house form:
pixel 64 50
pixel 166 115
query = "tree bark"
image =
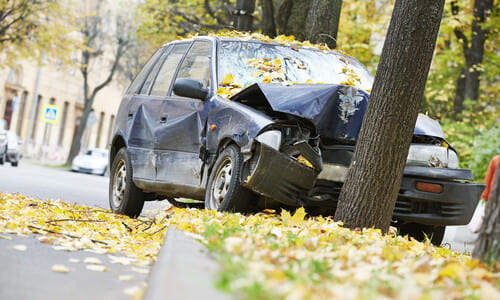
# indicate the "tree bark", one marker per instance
pixel 292 18
pixel 369 194
pixel 243 19
pixel 473 53
pixel 268 24
pixel 313 20
pixel 487 246
pixel 323 22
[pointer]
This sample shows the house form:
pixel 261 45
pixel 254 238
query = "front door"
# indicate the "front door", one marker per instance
pixel 179 140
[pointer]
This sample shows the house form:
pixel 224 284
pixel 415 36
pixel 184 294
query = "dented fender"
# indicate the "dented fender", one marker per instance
pixel 229 120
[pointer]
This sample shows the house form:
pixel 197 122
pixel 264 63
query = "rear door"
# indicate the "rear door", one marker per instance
pixel 179 139
pixel 145 113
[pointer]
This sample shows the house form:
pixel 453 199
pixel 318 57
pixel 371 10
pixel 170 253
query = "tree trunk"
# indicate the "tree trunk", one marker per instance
pixel 487 246
pixel 313 20
pixel 323 22
pixel 473 53
pixel 369 194
pixel 292 17
pixel 268 24
pixel 243 19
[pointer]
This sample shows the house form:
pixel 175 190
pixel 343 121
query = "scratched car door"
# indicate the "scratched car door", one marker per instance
pixel 178 143
pixel 141 118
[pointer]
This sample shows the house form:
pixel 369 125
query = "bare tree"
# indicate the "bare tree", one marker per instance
pixel 369 194
pixel 95 45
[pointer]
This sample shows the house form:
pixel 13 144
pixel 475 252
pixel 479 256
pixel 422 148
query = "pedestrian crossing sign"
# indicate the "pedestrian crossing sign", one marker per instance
pixel 50 114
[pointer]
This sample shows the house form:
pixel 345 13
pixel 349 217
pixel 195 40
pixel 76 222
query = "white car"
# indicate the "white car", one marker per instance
pixel 94 161
pixel 10 148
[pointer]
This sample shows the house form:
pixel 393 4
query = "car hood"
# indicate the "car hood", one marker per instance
pixel 336 110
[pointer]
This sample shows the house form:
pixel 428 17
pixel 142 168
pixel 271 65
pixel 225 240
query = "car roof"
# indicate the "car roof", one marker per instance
pixel 251 40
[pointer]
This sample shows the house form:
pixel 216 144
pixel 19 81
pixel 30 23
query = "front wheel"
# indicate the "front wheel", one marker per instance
pixel 124 196
pixel 420 231
pixel 224 191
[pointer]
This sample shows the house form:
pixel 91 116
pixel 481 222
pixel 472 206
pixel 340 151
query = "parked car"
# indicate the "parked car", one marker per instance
pixel 237 124
pixel 12 149
pixel 3 146
pixel 93 161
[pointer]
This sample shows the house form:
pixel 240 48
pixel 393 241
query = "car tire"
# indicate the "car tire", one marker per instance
pixel 2 159
pixel 14 163
pixel 419 231
pixel 124 196
pixel 224 191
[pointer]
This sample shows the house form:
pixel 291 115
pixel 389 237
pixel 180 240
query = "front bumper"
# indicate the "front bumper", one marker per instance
pixel 454 205
pixel 95 171
pixel 278 176
pixel 289 182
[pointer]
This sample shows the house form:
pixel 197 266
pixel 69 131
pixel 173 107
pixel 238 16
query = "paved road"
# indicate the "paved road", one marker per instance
pixel 28 274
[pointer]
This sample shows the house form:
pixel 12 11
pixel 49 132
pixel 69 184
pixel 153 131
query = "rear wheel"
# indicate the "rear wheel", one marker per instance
pixel 224 191
pixel 124 196
pixel 14 163
pixel 419 231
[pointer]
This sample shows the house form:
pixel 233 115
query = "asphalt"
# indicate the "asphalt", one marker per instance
pixel 184 270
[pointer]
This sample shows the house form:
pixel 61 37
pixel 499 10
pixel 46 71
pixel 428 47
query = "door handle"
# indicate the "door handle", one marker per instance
pixel 163 118
pixel 130 114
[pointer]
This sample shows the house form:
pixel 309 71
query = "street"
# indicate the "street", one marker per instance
pixel 28 274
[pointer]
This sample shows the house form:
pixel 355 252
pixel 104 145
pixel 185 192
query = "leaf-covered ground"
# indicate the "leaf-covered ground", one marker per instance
pixel 265 255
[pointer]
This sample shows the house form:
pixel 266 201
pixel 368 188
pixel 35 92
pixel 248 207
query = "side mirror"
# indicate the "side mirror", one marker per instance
pixel 191 88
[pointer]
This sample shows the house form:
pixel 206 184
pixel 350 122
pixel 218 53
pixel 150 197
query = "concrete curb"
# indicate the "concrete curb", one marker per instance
pixel 184 270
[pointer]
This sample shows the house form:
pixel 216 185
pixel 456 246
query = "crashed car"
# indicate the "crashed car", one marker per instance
pixel 242 123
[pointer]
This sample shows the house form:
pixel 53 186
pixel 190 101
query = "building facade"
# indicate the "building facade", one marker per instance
pixel 61 86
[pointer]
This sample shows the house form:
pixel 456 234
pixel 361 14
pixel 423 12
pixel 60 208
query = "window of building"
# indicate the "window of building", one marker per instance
pixel 110 129
pixel 99 130
pixel 37 116
pixel 63 123
pixel 20 114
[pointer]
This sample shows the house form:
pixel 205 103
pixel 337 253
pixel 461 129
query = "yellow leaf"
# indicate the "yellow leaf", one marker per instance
pixel 60 269
pixel 452 270
pixel 228 79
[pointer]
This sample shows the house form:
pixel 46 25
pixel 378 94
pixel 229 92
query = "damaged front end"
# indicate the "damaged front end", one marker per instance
pixel 287 164
pixel 302 159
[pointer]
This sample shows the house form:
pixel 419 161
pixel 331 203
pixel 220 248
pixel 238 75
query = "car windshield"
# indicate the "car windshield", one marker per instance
pixel 97 153
pixel 249 62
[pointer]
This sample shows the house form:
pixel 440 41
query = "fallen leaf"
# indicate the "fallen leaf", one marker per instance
pixel 60 269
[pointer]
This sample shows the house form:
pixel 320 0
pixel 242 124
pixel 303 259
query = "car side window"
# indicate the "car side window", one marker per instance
pixel 196 65
pixel 136 84
pixel 154 71
pixel 163 80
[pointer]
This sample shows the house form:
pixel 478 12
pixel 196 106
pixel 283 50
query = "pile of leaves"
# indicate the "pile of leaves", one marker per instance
pixel 267 255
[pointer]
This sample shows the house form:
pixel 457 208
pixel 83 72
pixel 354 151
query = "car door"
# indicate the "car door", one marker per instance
pixel 179 140
pixel 146 112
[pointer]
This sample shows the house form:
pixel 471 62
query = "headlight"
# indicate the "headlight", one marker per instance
pixel 271 138
pixel 432 156
pixel 452 159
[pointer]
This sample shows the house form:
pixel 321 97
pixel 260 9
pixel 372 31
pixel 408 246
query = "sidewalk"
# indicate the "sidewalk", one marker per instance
pixel 184 270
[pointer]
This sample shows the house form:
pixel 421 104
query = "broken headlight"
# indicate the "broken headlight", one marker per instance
pixel 271 138
pixel 432 156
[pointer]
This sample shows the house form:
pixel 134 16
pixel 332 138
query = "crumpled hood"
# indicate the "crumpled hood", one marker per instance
pixel 336 110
